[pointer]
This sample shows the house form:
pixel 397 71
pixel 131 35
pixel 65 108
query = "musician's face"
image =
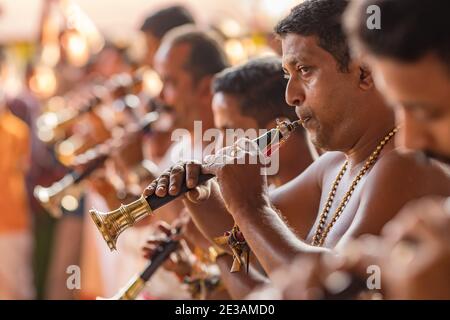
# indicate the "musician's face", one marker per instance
pixel 152 44
pixel 323 96
pixel 179 91
pixel 228 114
pixel 420 95
pixel 109 63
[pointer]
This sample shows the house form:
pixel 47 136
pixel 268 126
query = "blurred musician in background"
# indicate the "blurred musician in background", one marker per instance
pixel 351 191
pixel 156 147
pixel 16 279
pixel 251 96
pixel 158 23
pixel 187 61
pixel 409 56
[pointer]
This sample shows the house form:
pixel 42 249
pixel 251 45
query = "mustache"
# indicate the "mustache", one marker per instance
pixel 303 112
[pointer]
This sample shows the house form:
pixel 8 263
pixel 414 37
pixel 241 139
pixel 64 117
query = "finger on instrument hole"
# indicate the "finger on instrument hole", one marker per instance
pixel 199 194
pixel 192 173
pixel 176 179
pixel 163 182
pixel 193 195
pixel 148 251
pixel 150 188
pixel 155 239
pixel 165 228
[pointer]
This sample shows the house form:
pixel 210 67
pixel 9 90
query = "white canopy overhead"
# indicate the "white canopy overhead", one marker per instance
pixel 19 19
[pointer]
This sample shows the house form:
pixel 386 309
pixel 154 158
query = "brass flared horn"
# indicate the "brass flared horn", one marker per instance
pixel 64 194
pixel 112 224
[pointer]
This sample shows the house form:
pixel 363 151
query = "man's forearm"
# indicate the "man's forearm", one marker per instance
pixel 270 239
pixel 210 216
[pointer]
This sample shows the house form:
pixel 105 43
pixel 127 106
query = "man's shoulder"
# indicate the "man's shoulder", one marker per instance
pixel 396 179
pixel 312 177
pixel 408 171
pixel 409 162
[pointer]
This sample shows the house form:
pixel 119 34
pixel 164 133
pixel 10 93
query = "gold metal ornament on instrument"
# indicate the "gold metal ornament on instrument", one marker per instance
pixel 64 194
pixel 130 291
pixel 112 224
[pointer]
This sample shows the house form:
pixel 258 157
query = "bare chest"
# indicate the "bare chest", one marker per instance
pixel 339 203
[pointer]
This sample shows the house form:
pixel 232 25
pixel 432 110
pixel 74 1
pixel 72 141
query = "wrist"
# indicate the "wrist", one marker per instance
pixel 252 207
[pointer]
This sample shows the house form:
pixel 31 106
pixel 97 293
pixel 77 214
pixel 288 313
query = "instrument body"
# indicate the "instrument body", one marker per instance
pixel 137 283
pixel 113 223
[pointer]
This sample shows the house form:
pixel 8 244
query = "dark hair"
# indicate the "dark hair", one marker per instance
pixel 260 88
pixel 160 22
pixel 320 18
pixel 409 28
pixel 206 56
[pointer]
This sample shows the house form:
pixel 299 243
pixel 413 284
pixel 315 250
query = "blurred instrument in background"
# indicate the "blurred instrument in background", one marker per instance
pixel 65 193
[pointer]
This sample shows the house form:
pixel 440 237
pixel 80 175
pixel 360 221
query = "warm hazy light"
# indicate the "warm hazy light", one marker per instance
pixel 69 202
pixel 235 50
pixel 76 48
pixel 43 81
pixel 152 83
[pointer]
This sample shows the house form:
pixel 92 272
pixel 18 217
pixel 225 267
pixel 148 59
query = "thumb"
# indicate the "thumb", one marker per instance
pixel 199 194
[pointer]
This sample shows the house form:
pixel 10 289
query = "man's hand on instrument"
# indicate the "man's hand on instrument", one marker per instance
pixel 416 261
pixel 170 182
pixel 413 252
pixel 240 175
pixel 179 262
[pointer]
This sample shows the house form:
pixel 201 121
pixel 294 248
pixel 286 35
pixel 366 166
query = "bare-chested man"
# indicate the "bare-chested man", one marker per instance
pixel 410 57
pixel 247 98
pixel 345 115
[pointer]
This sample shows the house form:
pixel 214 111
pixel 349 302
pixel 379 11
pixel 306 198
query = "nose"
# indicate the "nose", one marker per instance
pixel 295 94
pixel 412 134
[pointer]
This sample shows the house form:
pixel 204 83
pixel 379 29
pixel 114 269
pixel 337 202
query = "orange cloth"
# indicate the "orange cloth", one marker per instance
pixel 14 158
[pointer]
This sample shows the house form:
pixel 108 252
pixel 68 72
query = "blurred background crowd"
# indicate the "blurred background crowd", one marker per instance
pixel 74 75
pixel 100 100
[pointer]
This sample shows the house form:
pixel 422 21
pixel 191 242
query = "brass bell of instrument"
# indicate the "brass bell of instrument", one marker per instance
pixel 112 224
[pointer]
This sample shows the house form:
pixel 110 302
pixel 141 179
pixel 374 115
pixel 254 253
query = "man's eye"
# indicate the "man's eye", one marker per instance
pixel 304 70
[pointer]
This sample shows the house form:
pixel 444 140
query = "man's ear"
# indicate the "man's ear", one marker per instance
pixel 365 77
pixel 204 86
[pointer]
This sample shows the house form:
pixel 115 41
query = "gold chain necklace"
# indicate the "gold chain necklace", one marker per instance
pixel 322 231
